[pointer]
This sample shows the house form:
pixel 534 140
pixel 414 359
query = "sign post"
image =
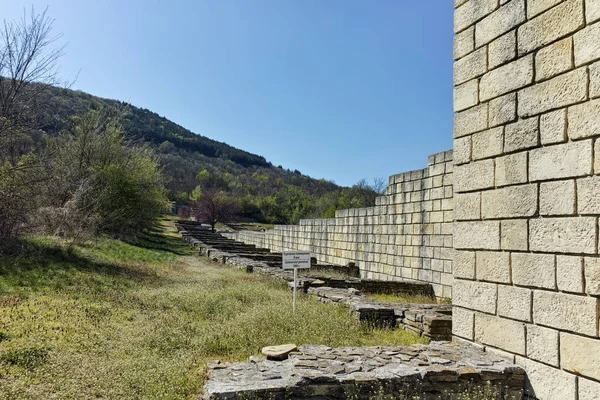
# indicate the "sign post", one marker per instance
pixel 295 260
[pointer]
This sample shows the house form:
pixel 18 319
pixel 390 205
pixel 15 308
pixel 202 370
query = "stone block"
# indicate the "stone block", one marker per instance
pixel 466 95
pixel 471 12
pixel 566 312
pixel 536 7
pixel 534 270
pixel 597 156
pixel 499 332
pixel 464 264
pixel 477 235
pixel 592 276
pixel 588 195
pixel 565 160
pixel 511 169
pixel 514 234
pixel 462 150
pixel 463 323
pixel 509 202
pixel 588 390
pixel 560 91
pixel 577 355
pixel 464 43
pixel 474 176
pixel 584 119
pixel 470 66
pixel 493 266
pixel 553 127
pixel 499 22
pixel 592 11
pixel 523 134
pixel 569 274
pixel 554 24
pixel 554 59
pixel 545 382
pixel 504 109
pixel 467 206
pixel 542 344
pixel 488 143
pixel 514 302
pixel 595 80
pixel 502 50
pixel 480 296
pixel 470 121
pixel 557 198
pixel 507 78
pixel 563 235
pixel 587 45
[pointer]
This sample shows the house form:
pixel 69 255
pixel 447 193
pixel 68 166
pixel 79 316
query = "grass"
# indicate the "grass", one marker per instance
pixel 407 299
pixel 140 320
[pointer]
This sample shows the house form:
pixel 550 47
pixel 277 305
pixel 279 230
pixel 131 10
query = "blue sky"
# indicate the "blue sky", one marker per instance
pixel 339 89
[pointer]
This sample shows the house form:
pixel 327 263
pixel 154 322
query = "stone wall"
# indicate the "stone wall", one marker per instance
pixel 527 193
pixel 407 235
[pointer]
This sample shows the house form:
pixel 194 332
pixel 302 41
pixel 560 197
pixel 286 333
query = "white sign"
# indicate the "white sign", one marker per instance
pixel 296 259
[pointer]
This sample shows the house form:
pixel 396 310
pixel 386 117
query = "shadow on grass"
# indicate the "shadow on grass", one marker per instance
pixel 155 239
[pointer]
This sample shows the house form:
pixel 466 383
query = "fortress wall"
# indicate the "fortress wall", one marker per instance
pixel 407 235
pixel 527 190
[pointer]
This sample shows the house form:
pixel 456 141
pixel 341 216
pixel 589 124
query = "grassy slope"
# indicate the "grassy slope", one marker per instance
pixel 115 320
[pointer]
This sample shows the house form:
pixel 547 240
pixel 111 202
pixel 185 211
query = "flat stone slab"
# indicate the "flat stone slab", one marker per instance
pixel 425 371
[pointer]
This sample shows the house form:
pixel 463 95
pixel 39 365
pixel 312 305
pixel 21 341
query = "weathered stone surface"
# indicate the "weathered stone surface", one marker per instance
pixel 554 59
pixel 462 150
pixel 567 312
pixel 500 332
pixel 514 234
pixel 546 382
pixel 480 296
pixel 566 160
pixel 473 176
pixel 535 270
pixel 588 390
pixel 587 45
pixel 487 143
pixel 569 274
pixel 502 50
pixel 279 352
pixel 464 264
pixel 464 43
pixel 345 372
pixel 588 195
pixel 467 206
pixel 557 198
pixel 592 11
pixel 477 235
pixel 560 91
pixel 576 355
pixel 499 22
pixel 470 66
pixel 511 169
pixel 551 25
pixel 507 78
pixel 471 12
pixel 509 202
pixel 472 120
pixel 514 302
pixel 595 80
pixel 493 266
pixel 563 235
pixel 503 109
pixel 553 127
pixel 536 7
pixel 584 119
pixel 463 323
pixel 542 344
pixel 523 134
pixel 592 276
pixel 466 95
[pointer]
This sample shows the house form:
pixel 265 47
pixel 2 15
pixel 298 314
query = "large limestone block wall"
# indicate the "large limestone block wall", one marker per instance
pixel 527 189
pixel 407 235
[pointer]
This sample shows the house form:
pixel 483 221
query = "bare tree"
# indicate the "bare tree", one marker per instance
pixel 215 206
pixel 379 185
